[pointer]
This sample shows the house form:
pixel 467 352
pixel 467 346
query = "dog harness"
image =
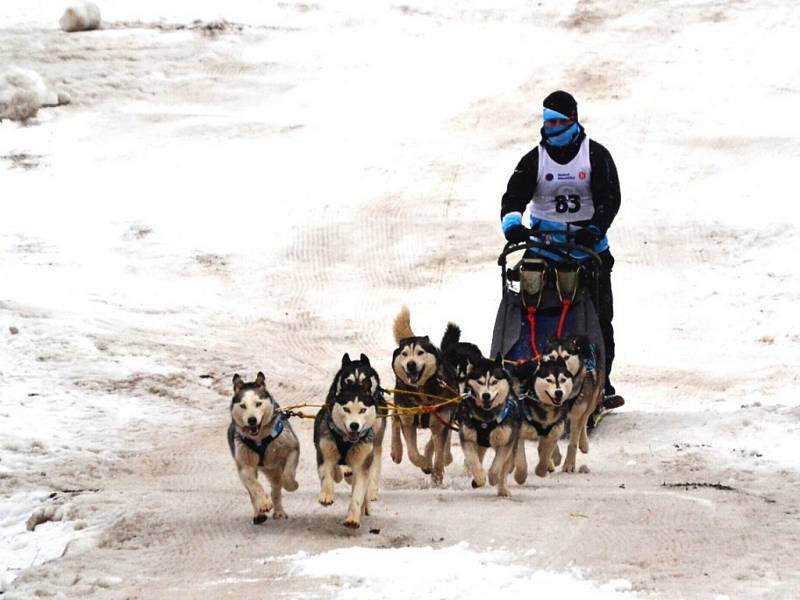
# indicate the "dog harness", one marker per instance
pixel 344 445
pixel 527 414
pixel 260 448
pixel 485 428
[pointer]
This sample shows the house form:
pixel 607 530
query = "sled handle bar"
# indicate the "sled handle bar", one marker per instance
pixel 548 244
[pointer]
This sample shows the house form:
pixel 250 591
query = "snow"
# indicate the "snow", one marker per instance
pixel 269 196
pixel 459 572
pixel 22 549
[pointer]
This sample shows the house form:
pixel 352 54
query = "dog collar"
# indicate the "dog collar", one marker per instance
pixel 260 448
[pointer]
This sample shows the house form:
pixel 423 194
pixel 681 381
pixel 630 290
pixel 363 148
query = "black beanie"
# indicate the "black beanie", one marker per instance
pixel 562 102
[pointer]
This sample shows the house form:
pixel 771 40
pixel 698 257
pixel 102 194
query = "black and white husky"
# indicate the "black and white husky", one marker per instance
pixel 587 391
pixel 359 376
pixel 544 407
pixel 488 418
pixel 344 435
pixel 261 439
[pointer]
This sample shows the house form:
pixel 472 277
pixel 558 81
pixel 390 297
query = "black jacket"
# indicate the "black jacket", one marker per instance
pixel 604 181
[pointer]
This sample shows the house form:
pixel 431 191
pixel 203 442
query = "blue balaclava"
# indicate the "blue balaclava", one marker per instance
pixel 560 105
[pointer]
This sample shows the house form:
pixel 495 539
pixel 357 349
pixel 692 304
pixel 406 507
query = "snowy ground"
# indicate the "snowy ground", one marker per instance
pixel 266 197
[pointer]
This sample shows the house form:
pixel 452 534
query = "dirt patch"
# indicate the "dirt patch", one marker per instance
pixel 23 161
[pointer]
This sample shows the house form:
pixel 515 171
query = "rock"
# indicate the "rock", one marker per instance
pixel 81 16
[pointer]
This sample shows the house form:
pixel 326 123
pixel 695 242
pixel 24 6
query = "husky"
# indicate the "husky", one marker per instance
pixel 354 374
pixel 359 375
pixel 345 434
pixel 489 417
pixel 418 367
pixel 544 407
pixel 587 393
pixel 460 357
pixel 261 439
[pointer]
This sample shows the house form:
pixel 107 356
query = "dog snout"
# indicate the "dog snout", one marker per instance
pixel 486 396
pixel 354 427
pixel 559 394
pixel 411 366
pixel 252 421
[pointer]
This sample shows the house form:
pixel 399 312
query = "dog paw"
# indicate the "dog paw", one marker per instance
pixel 521 476
pixel 502 492
pixel 479 481
pixel 568 467
pixel 280 514
pixel 352 523
pixel 337 474
pixel 263 506
pixel 397 457
pixel 493 478
pixel 551 467
pixel 290 485
pixel 437 478
pixel 258 519
pixel 426 470
pixel 372 495
pixel 584 446
pixel 326 499
pixel 541 470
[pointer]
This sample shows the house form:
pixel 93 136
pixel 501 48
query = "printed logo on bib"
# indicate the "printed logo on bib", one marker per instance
pixel 549 177
pixel 582 175
pixel 566 177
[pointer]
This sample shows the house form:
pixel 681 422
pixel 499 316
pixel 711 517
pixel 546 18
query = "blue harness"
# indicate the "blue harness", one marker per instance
pixel 260 448
pixel 485 428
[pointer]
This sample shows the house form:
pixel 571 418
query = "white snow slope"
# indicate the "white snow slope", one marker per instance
pixel 247 186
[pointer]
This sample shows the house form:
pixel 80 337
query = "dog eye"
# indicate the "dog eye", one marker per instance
pixel 241 405
pixel 420 352
pixel 345 409
pixel 258 404
pixel 362 411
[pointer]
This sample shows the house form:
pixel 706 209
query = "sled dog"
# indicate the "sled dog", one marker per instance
pixel 587 393
pixel 358 375
pixel 345 436
pixel 544 407
pixel 418 369
pixel 489 417
pixel 261 439
pixel 460 357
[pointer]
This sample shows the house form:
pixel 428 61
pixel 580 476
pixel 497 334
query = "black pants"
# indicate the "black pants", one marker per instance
pixel 605 314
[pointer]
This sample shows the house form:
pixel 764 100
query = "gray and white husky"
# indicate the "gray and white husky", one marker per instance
pixel 544 407
pixel 488 418
pixel 587 393
pixel 261 439
pixel 347 432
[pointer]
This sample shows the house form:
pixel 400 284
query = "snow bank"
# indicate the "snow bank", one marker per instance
pixel 82 16
pixel 22 545
pixel 23 93
pixel 461 572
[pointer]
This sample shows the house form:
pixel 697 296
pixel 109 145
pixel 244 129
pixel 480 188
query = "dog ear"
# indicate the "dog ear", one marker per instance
pixel 498 360
pixel 346 360
pixel 261 380
pixel 237 383
pixel 365 359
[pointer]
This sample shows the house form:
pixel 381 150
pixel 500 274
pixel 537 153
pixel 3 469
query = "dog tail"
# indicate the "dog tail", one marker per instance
pixel 402 325
pixel 451 336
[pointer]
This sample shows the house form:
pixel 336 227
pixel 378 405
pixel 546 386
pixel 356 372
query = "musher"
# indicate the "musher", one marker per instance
pixel 571 184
